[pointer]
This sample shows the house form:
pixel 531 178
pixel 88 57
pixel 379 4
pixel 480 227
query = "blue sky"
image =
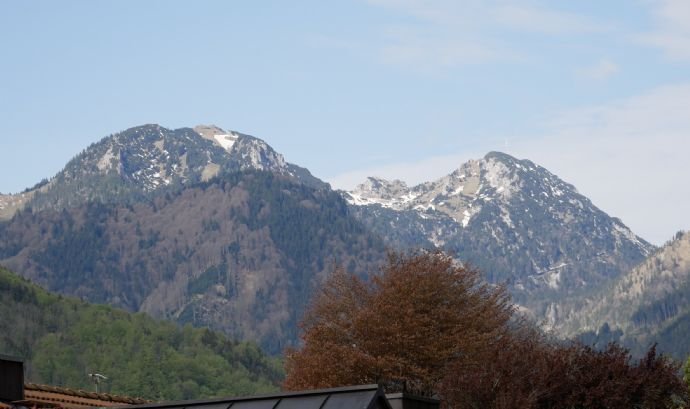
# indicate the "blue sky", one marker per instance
pixel 596 91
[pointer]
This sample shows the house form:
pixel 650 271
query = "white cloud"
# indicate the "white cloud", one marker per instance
pixel 532 19
pixel 601 70
pixel 444 34
pixel 629 156
pixel 672 31
pixel 419 50
pixel 439 11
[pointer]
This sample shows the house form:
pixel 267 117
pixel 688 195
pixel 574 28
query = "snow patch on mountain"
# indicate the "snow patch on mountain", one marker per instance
pixel 466 219
pixel 226 140
pixel 390 194
pixel 459 195
pixel 500 177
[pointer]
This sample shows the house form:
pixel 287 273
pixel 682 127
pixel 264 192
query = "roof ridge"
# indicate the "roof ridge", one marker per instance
pixel 84 394
pixel 275 395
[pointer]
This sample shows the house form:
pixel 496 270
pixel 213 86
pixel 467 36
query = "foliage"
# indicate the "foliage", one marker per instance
pixel 402 329
pixel 686 373
pixel 63 339
pixel 428 326
pixel 530 371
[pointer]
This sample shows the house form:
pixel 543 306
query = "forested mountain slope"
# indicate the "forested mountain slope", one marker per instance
pixel 650 303
pixel 63 339
pixel 239 253
pixel 215 228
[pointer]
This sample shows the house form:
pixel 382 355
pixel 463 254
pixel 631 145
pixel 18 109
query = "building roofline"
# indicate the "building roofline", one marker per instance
pixel 400 395
pixel 11 358
pixel 406 395
pixel 183 403
pixel 69 393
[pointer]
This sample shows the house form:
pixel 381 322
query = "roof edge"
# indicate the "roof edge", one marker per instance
pixel 183 403
pixel 11 358
pixel 83 394
pixel 406 395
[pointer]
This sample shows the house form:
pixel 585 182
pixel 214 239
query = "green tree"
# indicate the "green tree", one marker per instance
pixel 63 339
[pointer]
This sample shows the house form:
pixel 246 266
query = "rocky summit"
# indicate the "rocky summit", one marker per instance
pixel 516 221
pixel 148 160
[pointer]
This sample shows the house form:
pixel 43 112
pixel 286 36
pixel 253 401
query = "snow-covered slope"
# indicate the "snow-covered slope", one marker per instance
pixel 515 220
pixel 460 195
pixel 213 133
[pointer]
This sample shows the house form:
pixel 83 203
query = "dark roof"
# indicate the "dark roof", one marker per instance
pixel 409 401
pixel 350 397
pixel 10 358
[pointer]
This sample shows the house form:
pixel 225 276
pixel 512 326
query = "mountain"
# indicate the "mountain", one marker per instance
pixel 145 161
pixel 650 303
pixel 63 339
pixel 516 221
pixel 241 252
pixel 213 227
pixel 199 225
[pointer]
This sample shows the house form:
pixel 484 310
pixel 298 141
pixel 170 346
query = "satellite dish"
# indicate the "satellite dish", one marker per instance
pixel 97 378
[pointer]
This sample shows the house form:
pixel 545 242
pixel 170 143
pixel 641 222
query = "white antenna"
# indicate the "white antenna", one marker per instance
pixel 97 378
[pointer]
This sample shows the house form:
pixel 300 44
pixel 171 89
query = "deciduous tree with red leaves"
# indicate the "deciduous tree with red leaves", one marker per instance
pixel 531 371
pixel 432 327
pixel 402 329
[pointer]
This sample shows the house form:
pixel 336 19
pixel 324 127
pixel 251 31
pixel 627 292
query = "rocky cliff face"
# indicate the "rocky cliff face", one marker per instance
pixel 513 219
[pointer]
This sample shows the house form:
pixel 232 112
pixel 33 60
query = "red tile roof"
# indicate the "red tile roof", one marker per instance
pixel 45 396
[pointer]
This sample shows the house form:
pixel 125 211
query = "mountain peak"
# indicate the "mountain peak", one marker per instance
pixel 379 185
pixel 208 129
pixel 217 135
pixel 145 159
pixel 522 165
pixel 378 190
pixel 144 127
pixel 500 156
pixel 508 204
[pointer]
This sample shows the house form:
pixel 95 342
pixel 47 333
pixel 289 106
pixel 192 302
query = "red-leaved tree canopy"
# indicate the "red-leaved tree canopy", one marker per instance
pixel 401 330
pixel 430 326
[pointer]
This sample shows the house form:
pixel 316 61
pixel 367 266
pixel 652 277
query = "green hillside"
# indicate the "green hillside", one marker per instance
pixel 240 253
pixel 63 339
